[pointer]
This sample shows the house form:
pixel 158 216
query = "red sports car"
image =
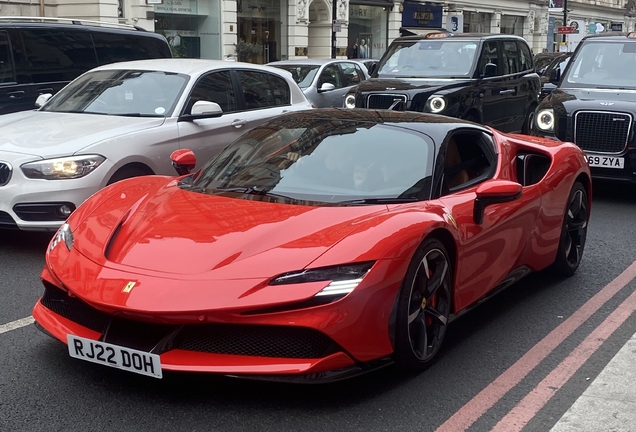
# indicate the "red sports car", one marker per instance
pixel 319 245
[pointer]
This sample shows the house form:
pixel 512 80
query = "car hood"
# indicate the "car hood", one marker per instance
pixel 51 134
pixel 598 99
pixel 153 228
pixel 416 84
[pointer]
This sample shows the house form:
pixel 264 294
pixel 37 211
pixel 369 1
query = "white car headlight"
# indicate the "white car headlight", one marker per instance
pixel 350 101
pixel 545 120
pixel 436 104
pixel 62 168
pixel 65 235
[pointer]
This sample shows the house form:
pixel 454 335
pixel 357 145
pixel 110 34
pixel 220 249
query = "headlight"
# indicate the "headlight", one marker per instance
pixel 65 235
pixel 62 168
pixel 344 278
pixel 436 104
pixel 350 101
pixel 545 120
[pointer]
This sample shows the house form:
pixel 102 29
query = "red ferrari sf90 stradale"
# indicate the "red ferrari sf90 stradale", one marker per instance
pixel 317 246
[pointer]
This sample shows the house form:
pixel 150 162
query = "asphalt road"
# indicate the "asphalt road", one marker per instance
pixel 43 389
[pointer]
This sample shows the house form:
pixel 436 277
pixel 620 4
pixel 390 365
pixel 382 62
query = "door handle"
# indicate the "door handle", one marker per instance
pixel 16 94
pixel 238 123
pixel 509 91
pixel 45 90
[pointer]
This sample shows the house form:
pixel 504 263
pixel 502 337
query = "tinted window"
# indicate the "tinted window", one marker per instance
pixel 6 62
pixel 352 74
pixel 280 90
pixel 511 61
pixel 600 63
pixel 115 47
pixel 525 56
pixel 215 87
pixel 58 55
pixel 489 55
pixel 302 74
pixel 330 74
pixel 256 89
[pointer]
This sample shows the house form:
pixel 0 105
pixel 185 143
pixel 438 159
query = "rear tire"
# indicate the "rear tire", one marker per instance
pixel 424 306
pixel 573 232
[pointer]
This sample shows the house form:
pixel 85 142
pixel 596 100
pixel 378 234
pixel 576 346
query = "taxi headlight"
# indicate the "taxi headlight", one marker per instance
pixel 545 120
pixel 436 104
pixel 62 168
pixel 350 101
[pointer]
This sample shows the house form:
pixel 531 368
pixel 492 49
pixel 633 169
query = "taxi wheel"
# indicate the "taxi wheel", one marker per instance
pixel 424 306
pixel 573 232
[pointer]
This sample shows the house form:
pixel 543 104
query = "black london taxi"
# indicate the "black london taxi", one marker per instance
pixel 484 78
pixel 594 104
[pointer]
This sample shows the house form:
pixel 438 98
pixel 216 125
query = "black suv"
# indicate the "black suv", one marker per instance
pixel 487 79
pixel 41 55
pixel 594 104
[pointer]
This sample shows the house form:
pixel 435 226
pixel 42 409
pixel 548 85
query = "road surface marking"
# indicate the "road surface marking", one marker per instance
pixel 530 405
pixel 14 325
pixel 488 397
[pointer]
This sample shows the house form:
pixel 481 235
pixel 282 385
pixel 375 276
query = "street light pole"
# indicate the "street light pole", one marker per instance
pixel 565 17
pixel 333 28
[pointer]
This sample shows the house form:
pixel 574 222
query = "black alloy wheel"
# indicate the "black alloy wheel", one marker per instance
pixel 424 306
pixel 574 232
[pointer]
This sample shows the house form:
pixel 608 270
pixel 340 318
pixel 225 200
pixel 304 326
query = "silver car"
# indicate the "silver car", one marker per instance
pixel 124 120
pixel 325 82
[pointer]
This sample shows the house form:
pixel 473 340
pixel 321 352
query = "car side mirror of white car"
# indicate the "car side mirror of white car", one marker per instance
pixel 42 99
pixel 203 109
pixel 327 87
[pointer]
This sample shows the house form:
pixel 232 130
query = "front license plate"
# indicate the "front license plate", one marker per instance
pixel 606 161
pixel 114 356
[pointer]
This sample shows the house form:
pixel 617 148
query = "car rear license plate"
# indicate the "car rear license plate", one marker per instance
pixel 114 356
pixel 606 161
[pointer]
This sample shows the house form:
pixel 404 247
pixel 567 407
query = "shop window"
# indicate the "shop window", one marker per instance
pixel 215 87
pixel 256 89
pixel 512 25
pixel 6 64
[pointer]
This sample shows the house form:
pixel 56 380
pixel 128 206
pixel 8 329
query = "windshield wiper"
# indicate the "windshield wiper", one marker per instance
pixel 362 201
pixel 255 191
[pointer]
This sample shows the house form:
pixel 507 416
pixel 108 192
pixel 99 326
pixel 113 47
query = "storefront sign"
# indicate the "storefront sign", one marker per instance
pixel 185 7
pixel 422 15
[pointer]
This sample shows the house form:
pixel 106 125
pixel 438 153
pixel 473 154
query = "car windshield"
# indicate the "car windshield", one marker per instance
pixel 603 64
pixel 302 74
pixel 324 161
pixel 429 58
pixel 121 92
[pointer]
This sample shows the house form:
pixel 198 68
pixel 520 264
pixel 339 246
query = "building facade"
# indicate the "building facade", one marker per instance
pixel 261 31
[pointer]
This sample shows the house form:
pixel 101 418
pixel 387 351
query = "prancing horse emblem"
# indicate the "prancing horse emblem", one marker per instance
pixel 129 286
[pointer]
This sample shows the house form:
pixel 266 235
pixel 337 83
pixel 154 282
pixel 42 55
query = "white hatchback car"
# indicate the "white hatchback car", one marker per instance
pixel 124 120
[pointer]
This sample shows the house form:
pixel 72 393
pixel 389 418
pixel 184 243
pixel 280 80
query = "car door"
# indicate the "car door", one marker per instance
pixel 207 137
pixel 330 98
pixel 494 93
pixel 489 250
pixel 13 96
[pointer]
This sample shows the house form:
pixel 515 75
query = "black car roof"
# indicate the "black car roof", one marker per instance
pixel 478 36
pixel 609 36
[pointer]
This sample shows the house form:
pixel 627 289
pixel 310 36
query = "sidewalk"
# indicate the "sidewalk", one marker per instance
pixel 609 403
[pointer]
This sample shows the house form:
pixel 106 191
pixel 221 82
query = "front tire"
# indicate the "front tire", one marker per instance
pixel 573 232
pixel 424 306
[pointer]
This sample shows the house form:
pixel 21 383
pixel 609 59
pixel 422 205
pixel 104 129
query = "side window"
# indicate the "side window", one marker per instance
pixel 55 55
pixel 215 87
pixel 256 90
pixel 525 56
pixel 6 62
pixel 280 90
pixel 330 74
pixel 511 61
pixel 352 74
pixel 466 162
pixel 489 54
pixel 115 47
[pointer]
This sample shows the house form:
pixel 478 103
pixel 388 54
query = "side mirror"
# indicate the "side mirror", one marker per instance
pixel 202 110
pixel 494 192
pixel 327 87
pixel 183 161
pixel 42 99
pixel 555 76
pixel 490 70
